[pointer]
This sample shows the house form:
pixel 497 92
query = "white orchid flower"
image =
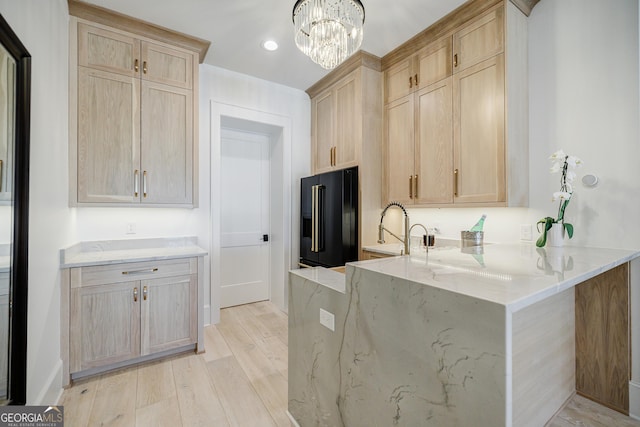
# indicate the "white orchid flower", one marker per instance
pixel 561 195
pixel 570 176
pixel 573 161
pixel 568 187
pixel 556 167
pixel 558 155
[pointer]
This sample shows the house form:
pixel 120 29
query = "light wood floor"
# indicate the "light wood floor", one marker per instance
pixel 241 381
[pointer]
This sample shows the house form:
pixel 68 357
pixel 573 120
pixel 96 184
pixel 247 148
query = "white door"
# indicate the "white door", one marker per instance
pixel 244 222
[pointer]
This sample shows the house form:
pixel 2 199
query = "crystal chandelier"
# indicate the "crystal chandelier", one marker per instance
pixel 328 31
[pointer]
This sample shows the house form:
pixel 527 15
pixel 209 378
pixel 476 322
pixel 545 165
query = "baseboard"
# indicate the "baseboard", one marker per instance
pixel 52 391
pixel 294 423
pixel 634 400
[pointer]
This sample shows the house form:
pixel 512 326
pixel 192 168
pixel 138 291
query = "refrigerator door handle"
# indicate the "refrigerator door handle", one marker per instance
pixel 320 212
pixel 313 217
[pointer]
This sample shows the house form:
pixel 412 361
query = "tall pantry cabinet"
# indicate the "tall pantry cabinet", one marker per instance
pixel 448 137
pixel 132 121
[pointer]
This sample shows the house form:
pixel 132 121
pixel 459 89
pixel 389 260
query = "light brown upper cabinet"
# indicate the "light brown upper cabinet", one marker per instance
pixel 450 140
pixel 430 65
pixel 132 128
pixel 418 135
pixel 482 39
pixel 334 115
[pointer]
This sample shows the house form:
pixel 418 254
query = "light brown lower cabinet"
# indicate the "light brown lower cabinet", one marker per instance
pixel 124 312
pixel 373 255
pixel 603 353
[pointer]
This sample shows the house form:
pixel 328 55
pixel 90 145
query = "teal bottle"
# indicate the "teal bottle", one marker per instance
pixel 479 224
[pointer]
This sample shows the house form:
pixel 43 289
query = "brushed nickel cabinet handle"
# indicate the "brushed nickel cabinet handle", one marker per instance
pixel 455 60
pixel 146 270
pixel 415 186
pixel 144 184
pixel 455 182
pixel 135 294
pixel 136 65
pixel 136 183
pixel 144 67
pixel 144 293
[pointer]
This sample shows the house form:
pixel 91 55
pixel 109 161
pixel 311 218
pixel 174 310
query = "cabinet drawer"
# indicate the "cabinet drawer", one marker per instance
pixel 126 272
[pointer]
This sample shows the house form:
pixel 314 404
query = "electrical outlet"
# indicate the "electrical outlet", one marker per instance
pixel 131 228
pixel 327 320
pixel 525 232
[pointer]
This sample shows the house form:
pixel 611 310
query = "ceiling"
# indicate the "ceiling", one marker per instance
pixel 236 29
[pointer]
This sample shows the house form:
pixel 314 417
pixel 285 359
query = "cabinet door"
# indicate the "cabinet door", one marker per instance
pixel 162 64
pixel 434 143
pixel 105 324
pixel 399 80
pixel 479 151
pixel 108 137
pixel 167 144
pixel 481 39
pixel 399 145
pixel 169 307
pixel 323 114
pixel 108 50
pixel 434 62
pixel 347 113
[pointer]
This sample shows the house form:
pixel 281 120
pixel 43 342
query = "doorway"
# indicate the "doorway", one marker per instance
pixel 244 217
pixel 227 118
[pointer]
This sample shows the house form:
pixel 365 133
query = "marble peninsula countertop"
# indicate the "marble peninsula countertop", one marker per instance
pixel 131 250
pixel 514 275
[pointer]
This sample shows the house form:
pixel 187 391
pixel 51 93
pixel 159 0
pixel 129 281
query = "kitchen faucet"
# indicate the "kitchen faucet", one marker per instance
pixel 382 229
pixel 426 232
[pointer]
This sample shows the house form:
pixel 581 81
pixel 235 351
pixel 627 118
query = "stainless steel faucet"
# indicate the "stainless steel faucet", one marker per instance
pixel 382 229
pixel 426 232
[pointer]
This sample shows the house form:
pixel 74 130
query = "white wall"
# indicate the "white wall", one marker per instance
pixel 583 91
pixel 42 27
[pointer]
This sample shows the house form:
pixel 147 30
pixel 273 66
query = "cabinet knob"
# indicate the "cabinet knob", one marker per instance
pixel 144 293
pixel 415 79
pixel 144 67
pixel 410 82
pixel 455 60
pixel 135 294
pixel 136 65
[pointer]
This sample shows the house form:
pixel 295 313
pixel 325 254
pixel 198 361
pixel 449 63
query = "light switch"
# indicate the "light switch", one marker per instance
pixel 525 232
pixel 327 320
pixel 131 228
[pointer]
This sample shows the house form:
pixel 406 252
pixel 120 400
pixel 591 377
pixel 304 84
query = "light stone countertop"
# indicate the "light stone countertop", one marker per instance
pixel 131 250
pixel 514 275
pixel 324 276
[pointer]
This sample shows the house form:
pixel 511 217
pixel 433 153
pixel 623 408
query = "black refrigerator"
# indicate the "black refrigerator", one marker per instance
pixel 329 218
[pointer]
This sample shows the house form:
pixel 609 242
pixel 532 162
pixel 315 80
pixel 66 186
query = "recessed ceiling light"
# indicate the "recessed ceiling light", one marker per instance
pixel 270 45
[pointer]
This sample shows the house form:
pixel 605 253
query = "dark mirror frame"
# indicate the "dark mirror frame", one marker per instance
pixel 17 390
